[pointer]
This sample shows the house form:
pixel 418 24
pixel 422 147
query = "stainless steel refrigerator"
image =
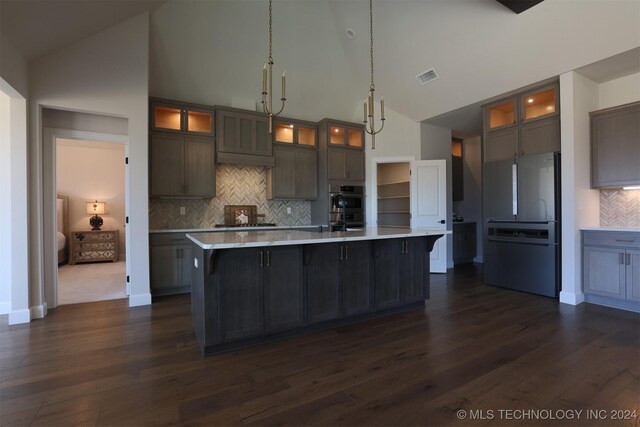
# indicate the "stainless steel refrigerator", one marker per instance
pixel 521 210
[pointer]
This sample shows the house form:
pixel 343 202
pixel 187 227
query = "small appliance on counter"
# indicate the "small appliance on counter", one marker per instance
pixel 243 216
pixel 346 206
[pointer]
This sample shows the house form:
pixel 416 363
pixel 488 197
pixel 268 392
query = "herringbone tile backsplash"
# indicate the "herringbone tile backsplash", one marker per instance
pixel 620 208
pixel 235 185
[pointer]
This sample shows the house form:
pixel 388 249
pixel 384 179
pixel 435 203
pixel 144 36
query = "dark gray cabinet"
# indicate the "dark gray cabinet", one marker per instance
pixel 323 277
pixel 615 146
pixel 174 116
pixel 464 242
pixel 528 123
pixel 181 166
pixel 400 274
pixel 261 291
pixel 294 174
pixel 170 263
pixel 242 137
pixel 611 268
pixel 338 278
pixel 345 164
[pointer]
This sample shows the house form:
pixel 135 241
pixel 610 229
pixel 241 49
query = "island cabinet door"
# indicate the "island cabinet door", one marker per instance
pixel 356 278
pixel 414 278
pixel 240 281
pixel 283 288
pixel 322 276
pixel 387 257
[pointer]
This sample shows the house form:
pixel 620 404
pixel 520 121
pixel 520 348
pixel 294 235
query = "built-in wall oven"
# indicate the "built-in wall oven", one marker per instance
pixel 346 206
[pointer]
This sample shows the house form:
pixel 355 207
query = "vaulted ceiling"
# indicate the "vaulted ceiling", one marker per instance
pixel 209 51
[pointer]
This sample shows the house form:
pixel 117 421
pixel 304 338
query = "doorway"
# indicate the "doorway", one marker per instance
pixel 90 218
pixel 409 193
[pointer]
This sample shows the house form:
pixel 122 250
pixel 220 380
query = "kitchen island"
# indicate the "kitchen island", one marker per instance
pixel 251 287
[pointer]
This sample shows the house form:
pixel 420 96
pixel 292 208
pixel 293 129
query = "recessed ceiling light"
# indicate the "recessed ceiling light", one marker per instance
pixel 351 33
pixel 530 100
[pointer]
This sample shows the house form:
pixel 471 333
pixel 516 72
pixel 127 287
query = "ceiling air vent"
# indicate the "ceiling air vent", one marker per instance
pixel 427 76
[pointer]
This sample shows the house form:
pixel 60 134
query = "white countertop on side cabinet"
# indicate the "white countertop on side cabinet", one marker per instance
pixel 245 239
pixel 628 229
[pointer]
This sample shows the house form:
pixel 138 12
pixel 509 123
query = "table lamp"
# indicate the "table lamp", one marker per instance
pixel 96 208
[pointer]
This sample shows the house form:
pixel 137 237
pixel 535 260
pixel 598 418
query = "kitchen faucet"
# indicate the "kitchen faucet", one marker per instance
pixel 339 201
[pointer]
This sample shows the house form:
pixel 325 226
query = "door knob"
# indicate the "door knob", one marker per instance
pixel 442 221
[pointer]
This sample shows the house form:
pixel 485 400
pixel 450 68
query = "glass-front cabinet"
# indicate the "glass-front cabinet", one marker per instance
pixel 178 117
pixel 540 103
pixel 295 132
pixel 501 114
pixel 345 136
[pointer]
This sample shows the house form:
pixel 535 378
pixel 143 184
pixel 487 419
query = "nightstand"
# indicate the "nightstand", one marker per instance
pixel 90 246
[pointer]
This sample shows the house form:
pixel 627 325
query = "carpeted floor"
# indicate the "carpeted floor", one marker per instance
pixel 96 281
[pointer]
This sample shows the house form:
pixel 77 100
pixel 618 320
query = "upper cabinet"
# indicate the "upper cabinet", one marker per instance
pixel 341 151
pixel 350 136
pixel 524 124
pixel 295 132
pixel 242 137
pixel 181 150
pixel 170 116
pixel 615 146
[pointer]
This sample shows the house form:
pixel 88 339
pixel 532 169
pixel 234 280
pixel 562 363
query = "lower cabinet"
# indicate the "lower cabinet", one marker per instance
pixel 401 272
pixel 261 291
pixel 611 268
pixel 464 242
pixel 338 280
pixel 170 263
pixel 249 295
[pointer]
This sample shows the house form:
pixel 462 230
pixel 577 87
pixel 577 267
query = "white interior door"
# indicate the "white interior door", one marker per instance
pixel 429 205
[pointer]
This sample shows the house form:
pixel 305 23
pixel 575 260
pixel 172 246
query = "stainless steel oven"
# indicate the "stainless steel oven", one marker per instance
pixel 346 205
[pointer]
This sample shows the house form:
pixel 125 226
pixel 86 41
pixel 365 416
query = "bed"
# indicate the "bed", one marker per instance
pixel 62 218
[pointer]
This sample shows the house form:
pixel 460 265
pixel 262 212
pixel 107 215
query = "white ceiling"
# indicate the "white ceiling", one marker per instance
pixel 38 27
pixel 479 48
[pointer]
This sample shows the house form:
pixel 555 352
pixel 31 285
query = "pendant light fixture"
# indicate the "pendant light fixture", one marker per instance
pixel 267 104
pixel 369 112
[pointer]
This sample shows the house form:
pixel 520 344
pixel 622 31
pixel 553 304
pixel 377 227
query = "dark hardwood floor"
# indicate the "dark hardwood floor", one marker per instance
pixel 475 348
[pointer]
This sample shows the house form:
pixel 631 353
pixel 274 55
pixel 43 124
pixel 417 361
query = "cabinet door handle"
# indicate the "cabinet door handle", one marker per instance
pixel 348 173
pixel 625 240
pixel 261 259
pixel 628 259
pixel 621 257
pixel 341 253
pixel 268 258
pixel 346 252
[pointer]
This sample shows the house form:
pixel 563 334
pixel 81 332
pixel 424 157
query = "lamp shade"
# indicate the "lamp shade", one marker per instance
pixel 96 208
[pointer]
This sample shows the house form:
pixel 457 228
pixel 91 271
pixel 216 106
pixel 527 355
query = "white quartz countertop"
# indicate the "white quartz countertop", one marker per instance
pixel 628 229
pixel 245 239
pixel 219 229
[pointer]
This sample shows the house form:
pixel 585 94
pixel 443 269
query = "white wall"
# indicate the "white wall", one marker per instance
pixel 436 145
pixel 13 67
pixel 87 171
pixel 5 196
pixel 470 208
pixel 103 74
pixel 399 138
pixel 619 91
pixel 14 269
pixel 580 204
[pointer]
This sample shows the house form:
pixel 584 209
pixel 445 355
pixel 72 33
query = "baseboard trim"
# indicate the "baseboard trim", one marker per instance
pixel 38 311
pixel 5 307
pixel 139 299
pixel 571 298
pixel 19 316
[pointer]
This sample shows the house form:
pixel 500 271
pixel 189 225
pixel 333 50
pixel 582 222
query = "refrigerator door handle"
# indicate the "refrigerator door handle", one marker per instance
pixel 514 188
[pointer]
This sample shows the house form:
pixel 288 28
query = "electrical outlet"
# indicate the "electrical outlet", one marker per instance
pixel 288 210
pixel 182 210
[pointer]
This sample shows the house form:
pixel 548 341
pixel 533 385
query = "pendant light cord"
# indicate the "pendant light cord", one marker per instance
pixel 372 87
pixel 270 21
